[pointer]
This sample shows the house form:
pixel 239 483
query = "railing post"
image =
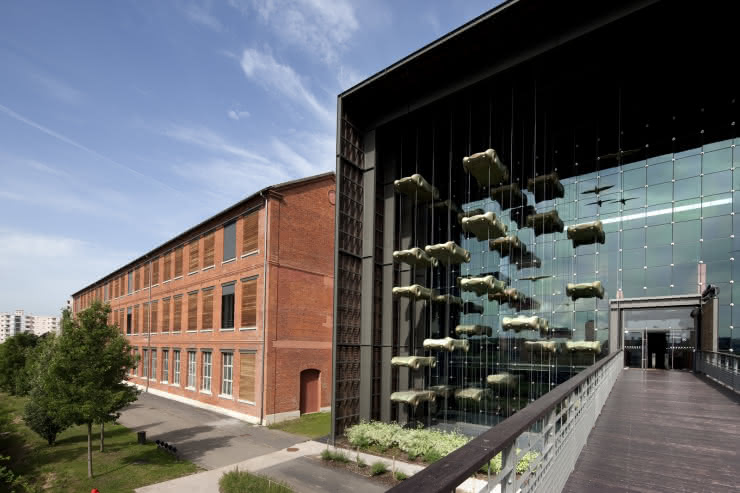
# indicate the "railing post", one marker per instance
pixel 508 461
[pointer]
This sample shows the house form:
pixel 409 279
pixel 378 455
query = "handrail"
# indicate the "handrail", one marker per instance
pixel 452 470
pixel 720 353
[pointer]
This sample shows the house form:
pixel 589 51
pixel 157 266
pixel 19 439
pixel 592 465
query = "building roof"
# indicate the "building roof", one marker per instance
pixel 189 232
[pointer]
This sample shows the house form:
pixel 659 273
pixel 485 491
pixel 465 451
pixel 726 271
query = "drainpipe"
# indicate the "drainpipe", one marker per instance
pixel 264 307
pixel 149 334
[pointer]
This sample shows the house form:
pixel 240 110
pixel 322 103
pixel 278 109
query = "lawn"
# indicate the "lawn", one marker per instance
pixel 123 466
pixel 314 425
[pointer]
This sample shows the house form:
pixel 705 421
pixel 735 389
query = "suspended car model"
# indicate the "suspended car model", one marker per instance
pixel 481 285
pixel 546 187
pixel 416 257
pixel 585 290
pixel 448 253
pixel 447 344
pixel 471 394
pixel 486 167
pixel 520 214
pixel 413 397
pixel 470 307
pixel 548 346
pixel 414 292
pixel 444 206
pixel 446 391
pixel 619 154
pixel 528 260
pixel 503 379
pixel 526 303
pixel 472 330
pixel 521 323
pixel 587 233
pixel 508 245
pixel 508 196
pixel 509 295
pixel 416 187
pixel 470 213
pixel 484 226
pixel 545 222
pixel 583 346
pixel 414 362
pixel 448 298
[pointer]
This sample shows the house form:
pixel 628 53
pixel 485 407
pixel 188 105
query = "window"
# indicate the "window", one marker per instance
pixel 191 369
pixel 167 268
pixel 230 241
pixel 207 316
pixel 178 262
pixel 121 315
pixel 147 279
pixel 155 312
pixel 155 271
pixel 137 279
pixel 193 260
pixel 176 367
pixel 135 353
pixel 145 363
pixel 136 319
pixel 227 373
pixel 193 310
pixel 166 315
pixel 209 250
pixel 205 384
pixel 153 372
pixel 128 320
pixel 165 365
pixel 146 318
pixel 249 303
pixel 249 233
pixel 130 281
pixel 177 316
pixel 106 291
pixel 227 306
pixel 247 376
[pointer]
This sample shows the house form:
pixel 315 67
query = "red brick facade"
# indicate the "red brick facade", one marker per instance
pixel 296 281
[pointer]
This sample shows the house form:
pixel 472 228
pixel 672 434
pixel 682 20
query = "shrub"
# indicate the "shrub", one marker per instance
pixel 400 475
pixel 336 456
pixel 378 468
pixel 41 419
pixel 361 463
pixel 521 467
pixel 237 481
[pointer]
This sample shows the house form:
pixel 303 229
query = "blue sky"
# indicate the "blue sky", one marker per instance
pixel 124 123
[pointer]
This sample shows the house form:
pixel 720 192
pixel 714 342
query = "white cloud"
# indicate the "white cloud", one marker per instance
pixel 316 26
pixel 237 115
pixel 264 70
pixel 200 14
pixel 348 77
pixel 207 139
pixel 58 89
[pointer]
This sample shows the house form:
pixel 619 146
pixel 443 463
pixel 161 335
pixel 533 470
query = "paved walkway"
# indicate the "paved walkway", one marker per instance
pixel 660 431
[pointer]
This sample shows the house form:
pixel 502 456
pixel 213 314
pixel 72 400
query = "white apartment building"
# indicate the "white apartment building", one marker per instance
pixel 17 322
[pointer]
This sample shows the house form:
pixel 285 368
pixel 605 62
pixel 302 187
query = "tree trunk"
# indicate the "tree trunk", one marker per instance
pixel 102 435
pixel 89 450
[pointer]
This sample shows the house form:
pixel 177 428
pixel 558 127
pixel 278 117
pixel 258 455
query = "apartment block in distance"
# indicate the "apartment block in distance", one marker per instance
pixel 235 314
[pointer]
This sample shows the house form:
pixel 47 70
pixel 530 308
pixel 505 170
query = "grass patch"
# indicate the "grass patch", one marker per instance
pixel 329 455
pixel 378 468
pixel 237 481
pixel 400 475
pixel 312 425
pixel 123 466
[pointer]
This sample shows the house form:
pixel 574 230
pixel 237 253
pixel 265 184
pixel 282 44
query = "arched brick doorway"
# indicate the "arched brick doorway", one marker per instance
pixel 310 391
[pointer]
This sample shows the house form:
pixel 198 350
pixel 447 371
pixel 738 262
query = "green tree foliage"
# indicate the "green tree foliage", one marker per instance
pixel 87 374
pixel 14 354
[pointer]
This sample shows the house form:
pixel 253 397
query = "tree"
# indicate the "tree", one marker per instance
pixel 14 353
pixel 88 372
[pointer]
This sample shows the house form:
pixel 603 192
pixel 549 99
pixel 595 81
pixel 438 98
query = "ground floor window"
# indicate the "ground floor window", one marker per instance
pixel 165 365
pixel 153 373
pixel 176 367
pixel 191 369
pixel 227 373
pixel 205 384
pixel 145 363
pixel 247 376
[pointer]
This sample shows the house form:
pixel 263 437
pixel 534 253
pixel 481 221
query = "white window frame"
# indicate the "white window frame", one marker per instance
pixel 206 371
pixel 192 363
pixel 176 367
pixel 165 365
pixel 227 370
pixel 153 367
pixel 145 365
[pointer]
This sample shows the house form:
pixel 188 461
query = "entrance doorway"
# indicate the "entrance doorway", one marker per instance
pixel 658 338
pixel 310 391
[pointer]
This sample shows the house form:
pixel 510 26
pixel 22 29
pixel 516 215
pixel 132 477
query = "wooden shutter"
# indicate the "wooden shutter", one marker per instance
pixel 207 317
pixel 166 315
pixel 209 250
pixel 192 311
pixel 249 233
pixel 155 271
pixel 147 278
pixel 121 318
pixel 249 303
pixel 146 317
pixel 247 376
pixel 177 317
pixel 178 262
pixel 155 312
pixel 135 321
pixel 137 279
pixel 167 271
pixel 194 256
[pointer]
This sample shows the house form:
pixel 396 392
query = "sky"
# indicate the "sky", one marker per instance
pixel 124 123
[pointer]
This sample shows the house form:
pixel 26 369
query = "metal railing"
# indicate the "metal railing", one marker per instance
pixel 722 367
pixel 554 427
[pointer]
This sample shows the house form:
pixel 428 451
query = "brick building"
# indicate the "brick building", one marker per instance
pixel 237 316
